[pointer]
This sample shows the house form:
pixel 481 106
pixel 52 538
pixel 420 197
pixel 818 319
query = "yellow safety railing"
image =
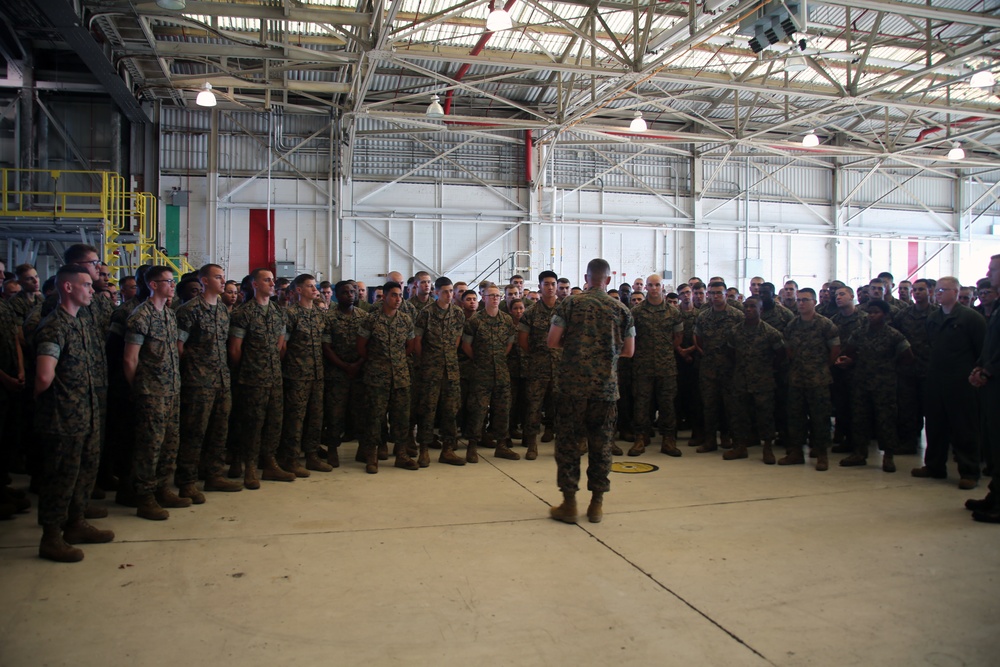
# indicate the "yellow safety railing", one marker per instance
pixel 129 219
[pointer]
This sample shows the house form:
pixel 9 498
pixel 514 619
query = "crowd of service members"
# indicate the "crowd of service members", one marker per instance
pixel 145 389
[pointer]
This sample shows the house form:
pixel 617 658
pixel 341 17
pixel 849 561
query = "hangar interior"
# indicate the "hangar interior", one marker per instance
pixel 797 140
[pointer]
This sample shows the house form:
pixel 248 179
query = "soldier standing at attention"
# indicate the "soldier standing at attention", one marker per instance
pixel 757 350
pixel 152 370
pixel 516 367
pixel 343 391
pixel 689 411
pixel 542 361
pixel 68 421
pixel 956 334
pixel 813 346
pixel 986 378
pixel 438 332
pixel 875 349
pixel 912 323
pixel 385 338
pixel 29 296
pixel 848 319
pixel 302 370
pixel 593 330
pixel 488 337
pixel 659 332
pixel 711 330
pixel 206 398
pixel 256 343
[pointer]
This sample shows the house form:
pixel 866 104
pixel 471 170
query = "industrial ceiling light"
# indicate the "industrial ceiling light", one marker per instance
pixel 983 79
pixel 957 152
pixel 795 64
pixel 498 19
pixel 637 124
pixel 206 98
pixel 811 140
pixel 434 109
pixel 174 5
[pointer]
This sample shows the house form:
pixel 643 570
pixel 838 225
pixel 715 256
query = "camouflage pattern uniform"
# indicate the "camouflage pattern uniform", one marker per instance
pixel 843 378
pixel 712 329
pixel 257 390
pixel 595 326
pixel 302 370
pixel 489 337
pixel 22 303
pixel 654 366
pixel 809 379
pixel 912 323
pixel 386 375
pixel 121 421
pixel 413 308
pixel 438 379
pixel 689 409
pixel 342 394
pixel 873 396
pixel 9 365
pixel 778 317
pixel 518 369
pixel 67 417
pixel 753 352
pixel 206 398
pixel 156 392
pixel 542 364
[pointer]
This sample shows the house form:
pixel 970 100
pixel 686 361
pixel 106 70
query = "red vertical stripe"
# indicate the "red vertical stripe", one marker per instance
pixel 261 250
pixel 913 257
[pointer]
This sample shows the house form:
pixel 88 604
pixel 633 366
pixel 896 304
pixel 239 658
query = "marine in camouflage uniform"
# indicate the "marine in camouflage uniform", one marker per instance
pixel 593 329
pixel 912 323
pixel 517 367
pixel 487 339
pixel 257 388
pixel 206 395
pixel 413 306
pixel 659 331
pixel 688 404
pixel 712 329
pixel 813 343
pixel 542 362
pixel 120 440
pixel 755 347
pixel 776 315
pixel 22 303
pixel 343 391
pixel 438 331
pixel 875 350
pixel 843 376
pixel 387 339
pixel 302 370
pixel 12 385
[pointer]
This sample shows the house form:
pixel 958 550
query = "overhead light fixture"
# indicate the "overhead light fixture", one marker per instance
pixel 983 79
pixel 206 98
pixel 637 124
pixel 795 64
pixel 434 109
pixel 811 140
pixel 173 5
pixel 498 19
pixel 957 152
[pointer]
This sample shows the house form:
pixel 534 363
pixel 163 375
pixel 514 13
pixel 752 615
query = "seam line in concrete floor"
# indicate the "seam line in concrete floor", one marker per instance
pixel 649 576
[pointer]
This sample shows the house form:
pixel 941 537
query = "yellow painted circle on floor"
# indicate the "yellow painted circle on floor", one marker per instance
pixel 632 468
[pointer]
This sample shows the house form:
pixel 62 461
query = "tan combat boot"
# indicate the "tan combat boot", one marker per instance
pixel 166 497
pixel 250 478
pixel 424 457
pixel 294 466
pixel 146 507
pixel 768 455
pixel 371 459
pixel 273 472
pixel 78 531
pixel 792 458
pixel 503 451
pixel 737 452
pixel 403 459
pixel 668 446
pixel 639 447
pixel 54 547
pixel 191 491
pixel 222 484
pixel 472 453
pixel 530 442
pixel 314 462
pixel 822 462
pixel 567 511
pixel 595 511
pixel 448 454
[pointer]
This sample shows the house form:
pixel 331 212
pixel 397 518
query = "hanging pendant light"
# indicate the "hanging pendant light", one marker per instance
pixel 173 5
pixel 637 124
pixel 206 98
pixel 957 152
pixel 498 19
pixel 434 109
pixel 811 140
pixel 984 79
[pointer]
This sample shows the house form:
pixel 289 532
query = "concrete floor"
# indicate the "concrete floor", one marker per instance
pixel 703 562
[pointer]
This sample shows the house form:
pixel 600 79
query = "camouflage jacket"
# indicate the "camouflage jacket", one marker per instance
pixel 387 338
pixel 848 324
pixel 159 368
pixel 439 331
pixel 304 340
pixel 655 327
pixel 810 343
pixel 92 316
pixel 912 323
pixel 204 330
pixel 22 304
pixel 712 329
pixel 262 329
pixel 341 332
pixel 595 326
pixel 778 316
pixel 753 349
pixel 9 327
pixel 877 351
pixel 542 361
pixel 70 406
pixel 688 318
pixel 489 338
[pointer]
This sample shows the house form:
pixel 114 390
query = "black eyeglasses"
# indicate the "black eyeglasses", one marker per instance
pixel 164 280
pixel 92 262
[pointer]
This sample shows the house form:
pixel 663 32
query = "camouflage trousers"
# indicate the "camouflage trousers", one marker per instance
pixel 752 416
pixel 688 404
pixel 157 439
pixel 539 395
pixel 70 471
pixel 646 388
pixel 489 398
pixel 843 413
pixel 439 397
pixel 626 397
pixel 579 419
pixel 715 397
pixel 302 423
pixel 341 397
pixel 874 413
pixel 257 412
pixel 910 404
pixel 809 411
pixel 518 399
pixel 781 412
pixel 204 430
pixel 379 401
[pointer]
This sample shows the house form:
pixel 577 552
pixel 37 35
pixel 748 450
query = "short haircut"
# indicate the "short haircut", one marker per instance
pixel 769 286
pixel 674 295
pixel 282 282
pixel 420 274
pixel 850 290
pixel 878 282
pixel 791 282
pixel 886 274
pixel 21 269
pixel 901 282
pixel 563 281
pixel 77 252
pixel 204 271
pixel 153 274
pixel 443 281
pixel 509 288
pixel 325 284
pixel 301 279
pixel 126 279
pixel 757 278
pixel 516 276
pixel 699 285
pixel 920 280
pixel 515 302
pixel 983 283
pixel 483 284
pixel 683 287
pixel 342 283
pixel 808 290
pixel 751 299
pixel 837 284
pixel 392 284
pixel 598 266
pixel 548 274
pixel 50 284
pixel 931 282
pixel 468 292
pixel 881 305
pixel 67 270
pixel 255 274
pixel 718 283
